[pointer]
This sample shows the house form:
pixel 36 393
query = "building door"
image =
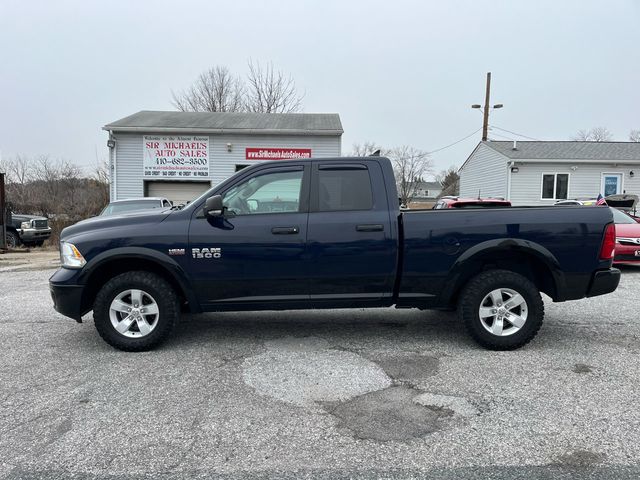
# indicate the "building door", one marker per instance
pixel 178 192
pixel 611 184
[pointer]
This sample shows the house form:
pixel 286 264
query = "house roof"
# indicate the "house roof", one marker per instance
pixel 229 122
pixel 430 185
pixel 569 150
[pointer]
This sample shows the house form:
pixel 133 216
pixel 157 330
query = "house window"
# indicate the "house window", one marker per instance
pixel 555 186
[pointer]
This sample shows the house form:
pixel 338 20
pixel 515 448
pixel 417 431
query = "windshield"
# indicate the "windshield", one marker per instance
pixel 122 207
pixel 621 217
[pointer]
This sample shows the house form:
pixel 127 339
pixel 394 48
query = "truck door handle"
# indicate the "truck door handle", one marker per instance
pixel 371 227
pixel 285 230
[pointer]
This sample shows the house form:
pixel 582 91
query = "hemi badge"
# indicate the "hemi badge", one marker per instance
pixel 176 251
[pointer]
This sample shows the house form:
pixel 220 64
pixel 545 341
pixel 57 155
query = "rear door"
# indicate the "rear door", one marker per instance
pixel 350 239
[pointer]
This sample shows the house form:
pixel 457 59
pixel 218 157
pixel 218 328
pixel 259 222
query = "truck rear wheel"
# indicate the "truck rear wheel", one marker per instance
pixel 502 310
pixel 135 311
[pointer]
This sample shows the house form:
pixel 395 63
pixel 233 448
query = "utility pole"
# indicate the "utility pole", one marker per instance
pixel 485 122
pixel 487 98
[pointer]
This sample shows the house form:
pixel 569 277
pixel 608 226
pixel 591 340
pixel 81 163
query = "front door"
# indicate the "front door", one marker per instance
pixel 256 252
pixel 611 184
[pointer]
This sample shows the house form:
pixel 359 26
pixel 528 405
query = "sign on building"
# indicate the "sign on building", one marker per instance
pixel 277 153
pixel 175 156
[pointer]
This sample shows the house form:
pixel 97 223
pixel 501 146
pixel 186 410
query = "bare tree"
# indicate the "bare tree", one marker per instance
pixel 596 134
pixel 410 165
pixel 215 90
pixel 367 148
pixel 634 136
pixel 270 91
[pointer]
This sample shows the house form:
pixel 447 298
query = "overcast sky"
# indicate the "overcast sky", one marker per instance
pixel 396 72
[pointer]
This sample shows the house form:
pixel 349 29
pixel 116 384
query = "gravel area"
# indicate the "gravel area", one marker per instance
pixel 319 394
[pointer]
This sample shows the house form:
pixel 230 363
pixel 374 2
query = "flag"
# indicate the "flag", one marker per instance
pixel 601 200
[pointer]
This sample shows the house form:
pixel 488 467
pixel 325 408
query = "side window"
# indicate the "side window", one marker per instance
pixel 166 203
pixel 344 189
pixel 274 192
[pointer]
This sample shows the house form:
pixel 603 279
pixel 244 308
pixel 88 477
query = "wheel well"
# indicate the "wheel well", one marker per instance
pixel 112 268
pixel 526 264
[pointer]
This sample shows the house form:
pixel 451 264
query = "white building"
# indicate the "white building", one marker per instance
pixel 179 155
pixel 541 173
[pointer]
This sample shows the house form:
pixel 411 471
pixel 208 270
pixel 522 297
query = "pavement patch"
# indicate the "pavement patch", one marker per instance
pixel 303 371
pixel 580 458
pixel 389 414
pixel 409 367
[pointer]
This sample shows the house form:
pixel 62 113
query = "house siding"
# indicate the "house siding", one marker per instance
pixel 485 172
pixel 584 180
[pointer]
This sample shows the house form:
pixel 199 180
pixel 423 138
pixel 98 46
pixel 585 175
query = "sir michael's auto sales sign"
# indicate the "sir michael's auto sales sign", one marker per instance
pixel 277 153
pixel 175 156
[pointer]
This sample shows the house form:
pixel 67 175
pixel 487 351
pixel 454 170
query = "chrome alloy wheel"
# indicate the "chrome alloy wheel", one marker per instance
pixel 134 313
pixel 503 312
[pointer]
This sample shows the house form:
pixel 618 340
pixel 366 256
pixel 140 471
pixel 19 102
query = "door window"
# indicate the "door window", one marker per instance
pixel 274 192
pixel 343 189
pixel 611 184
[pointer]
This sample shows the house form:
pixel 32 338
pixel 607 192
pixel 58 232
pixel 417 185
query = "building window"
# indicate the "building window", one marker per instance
pixel 555 186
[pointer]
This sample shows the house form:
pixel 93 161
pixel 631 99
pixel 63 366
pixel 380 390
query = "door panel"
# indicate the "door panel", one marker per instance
pixel 262 241
pixel 351 245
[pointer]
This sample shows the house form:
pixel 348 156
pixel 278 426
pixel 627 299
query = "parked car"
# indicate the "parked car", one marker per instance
pixel 346 245
pixel 135 204
pixel 27 230
pixel 458 202
pixel 627 238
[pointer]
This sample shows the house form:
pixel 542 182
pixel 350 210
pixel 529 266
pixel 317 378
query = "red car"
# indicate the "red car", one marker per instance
pixel 457 202
pixel 627 238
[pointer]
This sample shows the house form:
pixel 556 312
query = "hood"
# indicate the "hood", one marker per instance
pixel 26 218
pixel 143 217
pixel 630 230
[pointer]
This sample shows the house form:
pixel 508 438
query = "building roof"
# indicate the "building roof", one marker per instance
pixel 229 122
pixel 430 185
pixel 569 150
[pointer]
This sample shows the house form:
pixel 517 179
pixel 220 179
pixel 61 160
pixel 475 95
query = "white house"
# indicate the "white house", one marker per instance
pixel 541 173
pixel 427 190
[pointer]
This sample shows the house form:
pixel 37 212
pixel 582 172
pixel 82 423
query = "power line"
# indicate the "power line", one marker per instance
pixel 455 143
pixel 515 133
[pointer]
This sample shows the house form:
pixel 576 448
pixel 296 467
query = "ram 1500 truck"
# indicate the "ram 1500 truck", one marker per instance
pixel 328 233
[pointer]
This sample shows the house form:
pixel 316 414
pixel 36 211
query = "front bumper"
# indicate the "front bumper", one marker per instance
pixel 67 298
pixel 34 234
pixel 604 281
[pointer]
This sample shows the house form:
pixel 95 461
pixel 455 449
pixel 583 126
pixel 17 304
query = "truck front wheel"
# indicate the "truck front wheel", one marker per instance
pixel 135 311
pixel 502 310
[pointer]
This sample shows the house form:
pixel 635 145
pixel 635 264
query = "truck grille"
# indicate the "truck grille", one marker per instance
pixel 39 223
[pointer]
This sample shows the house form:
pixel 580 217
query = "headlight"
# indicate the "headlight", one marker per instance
pixel 70 256
pixel 24 225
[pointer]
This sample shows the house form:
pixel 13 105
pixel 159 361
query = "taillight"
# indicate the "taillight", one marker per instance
pixel 608 243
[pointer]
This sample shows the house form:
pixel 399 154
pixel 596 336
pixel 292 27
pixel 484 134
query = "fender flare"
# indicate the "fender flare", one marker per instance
pixel 495 246
pixel 165 262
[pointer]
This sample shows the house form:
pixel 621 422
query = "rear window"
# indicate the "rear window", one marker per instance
pixel 342 189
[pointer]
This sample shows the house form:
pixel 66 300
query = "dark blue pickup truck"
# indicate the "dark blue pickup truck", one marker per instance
pixel 328 233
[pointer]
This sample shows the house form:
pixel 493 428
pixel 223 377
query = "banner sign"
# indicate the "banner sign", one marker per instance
pixel 277 153
pixel 175 156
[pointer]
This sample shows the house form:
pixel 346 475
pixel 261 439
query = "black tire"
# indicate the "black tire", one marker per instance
pixel 479 287
pixel 13 240
pixel 157 288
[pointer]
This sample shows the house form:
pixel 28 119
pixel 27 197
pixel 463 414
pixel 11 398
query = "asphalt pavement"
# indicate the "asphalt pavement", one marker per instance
pixel 320 394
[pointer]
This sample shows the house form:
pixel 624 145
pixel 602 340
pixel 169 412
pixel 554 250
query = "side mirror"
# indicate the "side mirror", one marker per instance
pixel 213 206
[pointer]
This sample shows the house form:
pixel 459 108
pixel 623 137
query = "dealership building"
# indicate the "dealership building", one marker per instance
pixel 179 155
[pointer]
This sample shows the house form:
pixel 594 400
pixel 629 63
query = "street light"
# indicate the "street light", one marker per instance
pixel 485 123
